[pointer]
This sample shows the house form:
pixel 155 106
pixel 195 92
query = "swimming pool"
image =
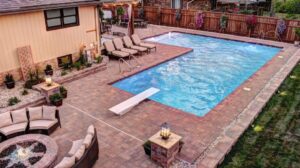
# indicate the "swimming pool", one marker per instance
pixel 197 81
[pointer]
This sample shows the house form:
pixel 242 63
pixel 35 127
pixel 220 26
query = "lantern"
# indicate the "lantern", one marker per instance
pixel 48 80
pixel 165 131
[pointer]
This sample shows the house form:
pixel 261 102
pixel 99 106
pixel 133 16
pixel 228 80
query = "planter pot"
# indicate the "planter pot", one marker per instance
pixel 64 94
pixel 147 149
pixel 49 72
pixel 10 85
pixel 297 43
pixel 57 103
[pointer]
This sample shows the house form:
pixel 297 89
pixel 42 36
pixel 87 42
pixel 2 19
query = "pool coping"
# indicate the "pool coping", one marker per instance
pixel 213 155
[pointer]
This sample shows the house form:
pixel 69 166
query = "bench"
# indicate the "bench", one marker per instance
pixel 128 104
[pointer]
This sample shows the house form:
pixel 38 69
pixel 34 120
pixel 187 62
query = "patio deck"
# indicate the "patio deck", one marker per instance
pixel 206 138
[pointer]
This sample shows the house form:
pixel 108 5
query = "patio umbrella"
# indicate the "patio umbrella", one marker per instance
pixel 130 21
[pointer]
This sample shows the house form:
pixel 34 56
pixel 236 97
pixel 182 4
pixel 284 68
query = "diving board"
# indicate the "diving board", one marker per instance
pixel 128 104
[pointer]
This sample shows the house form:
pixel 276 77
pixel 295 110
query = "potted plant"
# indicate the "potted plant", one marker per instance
pixel 251 22
pixel 120 13
pixel 147 148
pixel 48 70
pixel 56 99
pixel 63 91
pixel 9 81
pixel 99 59
pixel 297 31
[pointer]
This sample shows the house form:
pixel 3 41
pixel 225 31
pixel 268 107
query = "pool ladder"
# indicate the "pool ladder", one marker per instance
pixel 128 63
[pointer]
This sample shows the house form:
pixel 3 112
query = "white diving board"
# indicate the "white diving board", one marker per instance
pixel 128 104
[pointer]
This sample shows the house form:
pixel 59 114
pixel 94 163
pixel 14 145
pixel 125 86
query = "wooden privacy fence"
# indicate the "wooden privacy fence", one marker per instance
pixel 236 22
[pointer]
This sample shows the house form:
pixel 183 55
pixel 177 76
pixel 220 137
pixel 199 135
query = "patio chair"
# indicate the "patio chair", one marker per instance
pixel 120 46
pixel 137 41
pixel 129 44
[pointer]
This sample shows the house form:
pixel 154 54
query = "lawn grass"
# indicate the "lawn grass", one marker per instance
pixel 273 140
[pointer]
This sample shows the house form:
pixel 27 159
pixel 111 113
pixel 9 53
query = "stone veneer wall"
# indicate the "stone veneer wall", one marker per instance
pixel 17 73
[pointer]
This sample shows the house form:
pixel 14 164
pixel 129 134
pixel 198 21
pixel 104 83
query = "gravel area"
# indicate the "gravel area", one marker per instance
pixel 6 94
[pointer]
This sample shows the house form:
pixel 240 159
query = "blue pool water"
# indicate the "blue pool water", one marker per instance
pixel 196 82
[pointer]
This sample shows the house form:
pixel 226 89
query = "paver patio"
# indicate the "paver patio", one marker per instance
pixel 121 138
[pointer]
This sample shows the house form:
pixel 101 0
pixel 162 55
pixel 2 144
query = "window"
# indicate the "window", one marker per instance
pixel 176 4
pixel 64 61
pixel 61 18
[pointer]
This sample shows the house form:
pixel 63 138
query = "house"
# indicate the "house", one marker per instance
pixel 36 33
pixel 180 4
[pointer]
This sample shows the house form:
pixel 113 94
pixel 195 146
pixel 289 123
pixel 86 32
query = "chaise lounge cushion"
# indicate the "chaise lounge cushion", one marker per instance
pixel 35 113
pixel 91 130
pixel 41 124
pixel 11 129
pixel 19 116
pixel 87 140
pixel 79 153
pixel 5 119
pixel 49 112
pixel 75 146
pixel 66 162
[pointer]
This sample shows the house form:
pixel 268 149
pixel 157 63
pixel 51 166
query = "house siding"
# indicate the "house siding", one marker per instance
pixel 18 30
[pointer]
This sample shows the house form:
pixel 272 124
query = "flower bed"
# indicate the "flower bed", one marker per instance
pixel 21 96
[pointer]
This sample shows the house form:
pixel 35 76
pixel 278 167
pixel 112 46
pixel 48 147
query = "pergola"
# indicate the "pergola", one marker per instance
pixel 112 4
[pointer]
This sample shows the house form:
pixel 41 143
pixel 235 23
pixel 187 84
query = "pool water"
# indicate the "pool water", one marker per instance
pixel 197 81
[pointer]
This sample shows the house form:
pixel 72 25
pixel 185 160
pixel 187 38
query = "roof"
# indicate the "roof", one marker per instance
pixel 15 6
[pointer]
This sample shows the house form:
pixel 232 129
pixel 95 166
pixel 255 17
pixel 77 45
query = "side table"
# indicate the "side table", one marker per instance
pixel 164 151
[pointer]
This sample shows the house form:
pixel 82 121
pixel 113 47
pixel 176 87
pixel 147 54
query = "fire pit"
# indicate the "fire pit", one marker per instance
pixel 28 151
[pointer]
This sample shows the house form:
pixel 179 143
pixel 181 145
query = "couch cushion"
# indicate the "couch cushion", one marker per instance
pixel 66 162
pixel 49 112
pixel 75 146
pixel 11 129
pixel 91 130
pixel 79 153
pixel 41 124
pixel 35 113
pixel 5 119
pixel 19 116
pixel 87 140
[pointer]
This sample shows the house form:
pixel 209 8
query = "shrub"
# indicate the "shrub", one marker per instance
pixel 34 79
pixel 63 73
pixel 120 11
pixel 55 97
pixel 13 101
pixel 24 92
pixel 99 59
pixel 77 65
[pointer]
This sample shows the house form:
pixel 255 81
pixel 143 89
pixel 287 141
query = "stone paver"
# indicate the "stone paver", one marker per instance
pixel 207 139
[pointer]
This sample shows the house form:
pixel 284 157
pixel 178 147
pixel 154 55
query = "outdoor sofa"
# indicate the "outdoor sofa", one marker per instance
pixel 83 153
pixel 43 119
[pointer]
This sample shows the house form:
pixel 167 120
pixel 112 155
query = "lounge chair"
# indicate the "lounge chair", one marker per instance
pixel 128 104
pixel 111 50
pixel 129 44
pixel 120 46
pixel 137 41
